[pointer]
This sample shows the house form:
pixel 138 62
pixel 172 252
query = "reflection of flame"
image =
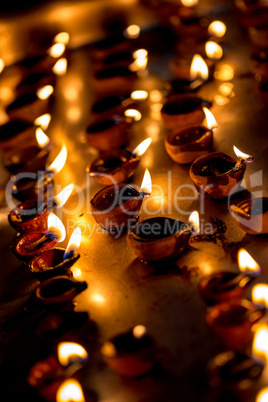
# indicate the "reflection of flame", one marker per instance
pixel 69 352
pixel 139 331
pixel 56 227
pixel 43 121
pixel 45 92
pixel 59 162
pixel 225 72
pixel 247 264
pixel 262 395
pixel 194 220
pixel 141 60
pixel 74 242
pixel 2 65
pixel 226 89
pixel 242 155
pixel 133 113
pixel 217 29
pixel 60 67
pixel 211 121
pixel 63 196
pixel 146 185
pixel 213 50
pixel 132 32
pixel 70 391
pixel 199 68
pixel 56 50
pixel 41 138
pixel 142 147
pixel 189 3
pixel 98 298
pixel 62 37
pixel 139 95
pixel 260 294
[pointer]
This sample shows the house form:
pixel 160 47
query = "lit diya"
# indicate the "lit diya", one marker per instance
pixel 226 285
pixel 251 215
pixel 118 206
pixel 161 238
pixel 34 81
pixel 57 261
pixel 184 109
pixel 189 143
pixel 117 165
pixel 218 175
pixel 131 353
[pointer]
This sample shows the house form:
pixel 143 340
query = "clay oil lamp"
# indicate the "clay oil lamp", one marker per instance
pixel 112 44
pixel 130 354
pixel 117 206
pixel 34 82
pixel 117 165
pixel 15 133
pixel 189 143
pixel 110 79
pixel 227 285
pixel 251 215
pixel 218 175
pixel 57 261
pixel 183 110
pixel 161 238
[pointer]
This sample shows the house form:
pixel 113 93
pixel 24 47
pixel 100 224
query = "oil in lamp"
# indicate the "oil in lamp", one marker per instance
pixel 57 261
pixel 189 143
pixel 118 206
pixel 117 165
pixel 218 175
pixel 251 215
pixel 130 354
pixel 227 285
pixel 161 238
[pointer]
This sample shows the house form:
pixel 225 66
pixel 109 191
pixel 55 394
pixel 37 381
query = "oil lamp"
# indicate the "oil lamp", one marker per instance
pixel 251 215
pixel 110 79
pixel 130 354
pixel 190 76
pixel 226 285
pixel 184 109
pixel 57 261
pixel 161 238
pixel 117 165
pixel 217 174
pixel 118 206
pixel 189 143
pixel 34 81
pixel 14 133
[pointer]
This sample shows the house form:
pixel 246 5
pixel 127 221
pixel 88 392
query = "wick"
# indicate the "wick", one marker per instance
pixel 241 280
pixel 240 211
pixel 32 246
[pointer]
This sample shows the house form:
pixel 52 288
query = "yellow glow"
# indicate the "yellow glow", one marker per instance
pixel 63 196
pixel 56 50
pixel 43 121
pixel 225 72
pixel 260 294
pixel 226 89
pixel 142 147
pixel 69 352
pixel 77 273
pixel 210 119
pixel 59 162
pixel 56 227
pixel 221 100
pixel 189 3
pixel 242 155
pixel 108 349
pixel 98 298
pixel 60 67
pixel 262 395
pixel 213 50
pixel 217 29
pixel 155 95
pixel 139 95
pixel 199 68
pixel 62 37
pixel 2 65
pixel 41 138
pixel 45 92
pixel 70 391
pixel 132 32
pixel 139 331
pixel 146 185
pixel 133 113
pixel 141 60
pixel 74 242
pixel 247 264
pixel 140 53
pixel 73 114
pixel 194 220
pixel 260 341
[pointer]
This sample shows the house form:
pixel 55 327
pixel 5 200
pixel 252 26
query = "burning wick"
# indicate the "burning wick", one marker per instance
pixel 241 155
pixel 74 243
pixel 59 162
pixel 142 147
pixel 43 121
pixel 198 70
pixel 72 356
pixel 260 295
pixel 70 391
pixel 217 29
pixel 146 185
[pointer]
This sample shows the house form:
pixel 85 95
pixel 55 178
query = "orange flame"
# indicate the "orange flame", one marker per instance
pixel 44 92
pixel 55 227
pixel 60 67
pixel 217 29
pixel 133 114
pixel 211 121
pixel 62 37
pixel 141 60
pixel 142 147
pixel 199 68
pixel 56 50
pixel 139 95
pixel 213 50
pixel 2 65
pixel 59 162
pixel 146 185
pixel 195 221
pixel 262 395
pixel 70 391
pixel 63 196
pixel 139 331
pixel 132 32
pixel 74 242
pixel 260 341
pixel 260 294
pixel 242 155
pixel 247 264
pixel 43 121
pixel 69 352
pixel 189 3
pixel 41 138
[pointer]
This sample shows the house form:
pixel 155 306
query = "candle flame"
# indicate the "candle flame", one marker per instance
pixel 45 92
pixel 242 155
pixel 262 395
pixel 41 138
pixel 55 227
pixel 132 32
pixel 59 162
pixel 74 242
pixel 70 391
pixel 247 264
pixel 189 3
pixel 195 221
pixel 133 114
pixel 211 122
pixel 63 196
pixel 142 147
pixel 139 331
pixel 2 65
pixel 69 352
pixel 62 37
pixel 43 121
pixel 56 50
pixel 199 68
pixel 213 50
pixel 60 67
pixel 217 29
pixel 260 294
pixel 139 95
pixel 260 341
pixel 141 60
pixel 146 185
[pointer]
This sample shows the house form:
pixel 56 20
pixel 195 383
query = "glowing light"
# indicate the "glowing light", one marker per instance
pixel 225 72
pixel 155 95
pixel 211 122
pixel 217 29
pixel 133 113
pixel 60 67
pixel 70 391
pixel 213 50
pixel 56 227
pixel 142 147
pixel 73 113
pixel 139 331
pixel 189 3
pixel 108 349
pixel 146 185
pixel 2 65
pixel 43 121
pixel 260 341
pixel 74 242
pixel 195 221
pixel 62 37
pixel 199 68
pixel 262 395
pixel 139 95
pixel 63 196
pixel 41 138
pixel 132 32
pixel 45 92
pixel 59 162
pixel 260 294
pixel 77 273
pixel 242 155
pixel 70 352
pixel 98 298
pixel 226 89
pixel 141 60
pixel 56 50
pixel 247 264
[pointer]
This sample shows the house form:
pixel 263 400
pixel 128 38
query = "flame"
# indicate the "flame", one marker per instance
pixel 247 264
pixel 70 391
pixel 195 221
pixel 189 3
pixel 133 113
pixel 45 92
pixel 59 162
pixel 211 122
pixel 213 50
pixel 262 395
pixel 74 242
pixel 199 68
pixel 141 60
pixel 142 147
pixel 139 331
pixel 132 32
pixel 217 29
pixel 41 138
pixel 56 50
pixel 70 352
pixel 43 121
pixel 146 185
pixel 60 67
pixel 2 65
pixel 139 95
pixel 242 155
pixel 55 227
pixel 260 294
pixel 260 341
pixel 63 196
pixel 62 37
